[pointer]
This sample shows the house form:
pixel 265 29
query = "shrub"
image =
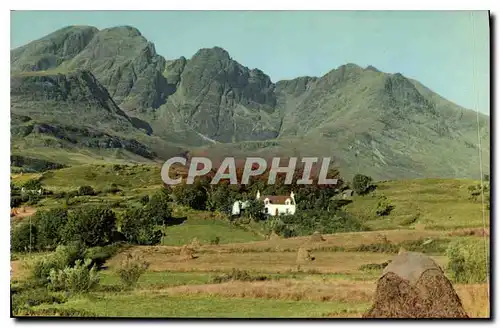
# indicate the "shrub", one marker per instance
pixel 24 237
pixel 192 195
pixel 131 270
pixel 86 191
pixel 362 184
pixel 60 195
pixel 158 210
pixel 144 200
pixel 50 227
pixel 384 207
pixel 215 240
pixel 76 279
pixel 92 226
pixel 138 228
pixel 237 275
pixel 467 261
pixel 374 266
pixel 22 301
pixel 15 201
pixel 113 189
pixel 32 184
pixel 64 256
pixel 98 255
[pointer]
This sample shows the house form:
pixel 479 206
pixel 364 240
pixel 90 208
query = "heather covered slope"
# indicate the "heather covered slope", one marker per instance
pixel 385 125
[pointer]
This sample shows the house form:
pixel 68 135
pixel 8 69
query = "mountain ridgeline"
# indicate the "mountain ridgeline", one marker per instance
pixel 98 90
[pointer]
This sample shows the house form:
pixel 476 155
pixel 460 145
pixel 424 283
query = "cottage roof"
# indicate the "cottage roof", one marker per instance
pixel 273 199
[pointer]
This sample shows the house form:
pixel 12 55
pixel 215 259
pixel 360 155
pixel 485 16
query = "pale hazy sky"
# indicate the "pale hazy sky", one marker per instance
pixel 443 50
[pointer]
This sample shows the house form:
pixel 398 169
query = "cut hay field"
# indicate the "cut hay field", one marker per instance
pixel 428 215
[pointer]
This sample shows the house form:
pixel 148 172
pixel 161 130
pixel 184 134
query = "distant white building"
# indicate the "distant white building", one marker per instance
pixel 276 205
pixel 273 205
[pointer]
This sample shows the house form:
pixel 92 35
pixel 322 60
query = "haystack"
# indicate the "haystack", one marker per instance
pixel 195 243
pixel 274 236
pixel 414 286
pixel 304 255
pixel 187 253
pixel 316 236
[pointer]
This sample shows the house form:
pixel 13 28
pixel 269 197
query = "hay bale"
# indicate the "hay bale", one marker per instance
pixel 195 243
pixel 304 255
pixel 187 253
pixel 274 236
pixel 414 286
pixel 316 237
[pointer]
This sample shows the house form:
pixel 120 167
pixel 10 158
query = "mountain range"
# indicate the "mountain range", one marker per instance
pixel 81 94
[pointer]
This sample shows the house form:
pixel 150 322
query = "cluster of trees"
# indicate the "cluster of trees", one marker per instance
pixel 93 226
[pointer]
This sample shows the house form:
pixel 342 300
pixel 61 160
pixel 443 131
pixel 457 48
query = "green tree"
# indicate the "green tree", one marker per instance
pixel 254 209
pixel 362 184
pixel 86 191
pixel 50 227
pixel 138 228
pixel 192 195
pixel 158 209
pixel 92 226
pixel 23 237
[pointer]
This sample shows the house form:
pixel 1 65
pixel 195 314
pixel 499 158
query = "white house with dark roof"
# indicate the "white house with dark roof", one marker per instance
pixel 273 205
pixel 277 205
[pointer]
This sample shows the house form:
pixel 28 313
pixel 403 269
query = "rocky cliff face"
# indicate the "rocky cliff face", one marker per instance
pixel 373 122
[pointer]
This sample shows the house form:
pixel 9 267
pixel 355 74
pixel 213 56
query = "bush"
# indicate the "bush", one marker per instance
pixel 215 240
pixel 158 210
pixel 144 200
pixel 23 237
pixel 362 184
pixel 92 226
pixel 76 279
pixel 384 207
pixel 50 227
pixel 64 256
pixel 467 261
pixel 22 301
pixel 192 195
pixel 131 270
pixel 60 195
pixel 32 184
pixel 86 191
pixel 98 255
pixel 374 266
pixel 237 275
pixel 113 189
pixel 15 201
pixel 138 228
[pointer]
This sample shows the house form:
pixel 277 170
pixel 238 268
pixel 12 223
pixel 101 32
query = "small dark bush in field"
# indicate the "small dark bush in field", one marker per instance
pixel 24 237
pixel 239 275
pixel 374 266
pixel 362 184
pixel 59 195
pixel 15 201
pixel 377 248
pixel 215 240
pixel 98 255
pixel 144 200
pixel 384 207
pixel 86 191
pixel 131 270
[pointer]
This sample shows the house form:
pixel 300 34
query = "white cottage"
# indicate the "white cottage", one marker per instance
pixel 273 205
pixel 276 205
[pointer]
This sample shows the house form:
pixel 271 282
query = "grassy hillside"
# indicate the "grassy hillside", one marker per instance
pixel 421 204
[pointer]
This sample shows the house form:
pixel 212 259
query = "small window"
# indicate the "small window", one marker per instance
pixel 266 210
pixel 287 202
pixel 266 202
